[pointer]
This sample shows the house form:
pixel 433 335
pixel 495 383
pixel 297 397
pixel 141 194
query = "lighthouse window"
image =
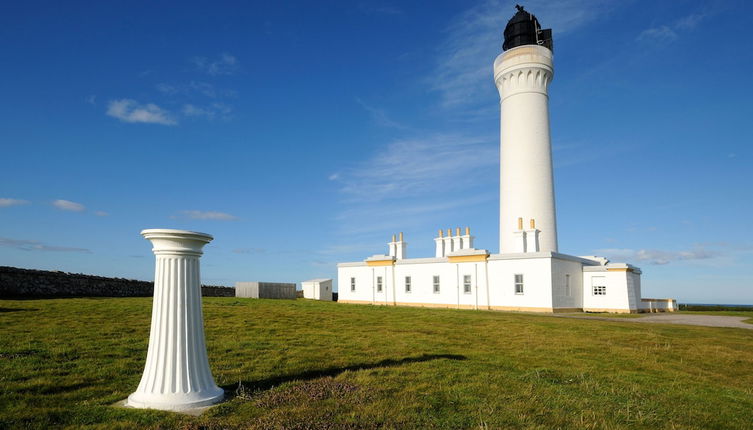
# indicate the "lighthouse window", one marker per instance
pixel 436 284
pixel 352 284
pixel 599 285
pixel 518 284
pixel 567 285
pixel 407 284
pixel 467 284
pixel 379 284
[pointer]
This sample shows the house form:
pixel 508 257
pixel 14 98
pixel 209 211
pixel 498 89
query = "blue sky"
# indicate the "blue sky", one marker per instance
pixel 303 134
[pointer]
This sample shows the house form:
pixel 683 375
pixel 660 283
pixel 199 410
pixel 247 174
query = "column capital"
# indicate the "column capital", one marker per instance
pixel 180 242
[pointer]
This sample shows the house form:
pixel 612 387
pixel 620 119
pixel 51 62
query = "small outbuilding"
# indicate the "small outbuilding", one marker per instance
pixel 265 290
pixel 317 289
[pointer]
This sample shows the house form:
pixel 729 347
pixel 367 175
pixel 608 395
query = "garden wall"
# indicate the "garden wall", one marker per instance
pixel 26 283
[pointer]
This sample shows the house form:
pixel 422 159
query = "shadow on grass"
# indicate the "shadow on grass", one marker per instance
pixel 266 384
pixel 3 310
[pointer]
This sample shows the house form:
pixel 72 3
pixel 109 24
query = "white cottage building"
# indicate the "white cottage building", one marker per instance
pixel 317 289
pixel 529 274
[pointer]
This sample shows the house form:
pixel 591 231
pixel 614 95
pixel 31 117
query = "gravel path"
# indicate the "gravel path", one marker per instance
pixel 671 318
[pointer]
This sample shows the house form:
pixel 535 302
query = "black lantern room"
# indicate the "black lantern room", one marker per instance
pixel 524 29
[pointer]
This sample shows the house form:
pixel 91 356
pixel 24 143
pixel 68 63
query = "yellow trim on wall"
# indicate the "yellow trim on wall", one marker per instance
pixel 613 311
pixel 619 269
pixel 467 258
pixel 380 263
pixel 466 306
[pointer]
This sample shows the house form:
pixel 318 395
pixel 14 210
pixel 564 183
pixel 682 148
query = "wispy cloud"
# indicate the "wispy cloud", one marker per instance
pixel 379 116
pixel 417 166
pixel 661 34
pixel 365 219
pixel 33 245
pixel 101 213
pixel 463 76
pixel 225 64
pixel 131 111
pixel 658 257
pixel 209 215
pixel 667 33
pixel 192 88
pixel 67 205
pixel 210 111
pixel 4 203
pixel 249 251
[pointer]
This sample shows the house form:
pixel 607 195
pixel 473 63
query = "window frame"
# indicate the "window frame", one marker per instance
pixel 601 289
pixel 436 285
pixel 568 291
pixel 519 291
pixel 408 286
pixel 379 284
pixel 352 283
pixel 467 284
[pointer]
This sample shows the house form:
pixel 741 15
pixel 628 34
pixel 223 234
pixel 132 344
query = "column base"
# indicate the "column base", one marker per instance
pixel 175 402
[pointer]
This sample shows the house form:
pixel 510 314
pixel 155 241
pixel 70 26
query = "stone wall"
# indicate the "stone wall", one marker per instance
pixel 25 283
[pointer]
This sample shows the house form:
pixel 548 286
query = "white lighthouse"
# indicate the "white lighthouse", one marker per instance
pixel 529 273
pixel 522 74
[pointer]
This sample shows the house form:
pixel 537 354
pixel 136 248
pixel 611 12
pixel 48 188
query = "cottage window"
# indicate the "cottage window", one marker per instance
pixel 436 284
pixel 599 285
pixel 352 284
pixel 467 284
pixel 518 284
pixel 407 284
pixel 379 284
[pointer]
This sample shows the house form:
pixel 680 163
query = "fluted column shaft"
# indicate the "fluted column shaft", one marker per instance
pixel 177 374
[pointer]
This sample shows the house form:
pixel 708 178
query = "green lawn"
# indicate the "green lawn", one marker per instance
pixel 313 365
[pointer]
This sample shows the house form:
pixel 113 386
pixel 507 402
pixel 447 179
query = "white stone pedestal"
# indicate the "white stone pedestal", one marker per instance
pixel 176 375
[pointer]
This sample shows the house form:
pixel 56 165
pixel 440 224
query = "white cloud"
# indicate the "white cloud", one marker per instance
pixel 463 76
pixel 334 177
pixel 210 111
pixel 661 34
pixel 658 257
pixel 409 167
pixel 249 251
pixel 33 245
pixel 225 64
pixel 128 110
pixel 209 215
pixel 167 88
pixel 668 33
pixel 67 205
pixel 691 21
pixel 101 213
pixel 4 203
pixel 379 116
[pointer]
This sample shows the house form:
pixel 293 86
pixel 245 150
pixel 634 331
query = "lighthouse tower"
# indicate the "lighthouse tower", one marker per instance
pixel 527 221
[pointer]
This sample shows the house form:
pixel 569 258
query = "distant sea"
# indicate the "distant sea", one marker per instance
pixel 717 304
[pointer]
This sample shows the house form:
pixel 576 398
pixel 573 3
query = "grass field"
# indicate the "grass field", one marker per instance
pixel 311 365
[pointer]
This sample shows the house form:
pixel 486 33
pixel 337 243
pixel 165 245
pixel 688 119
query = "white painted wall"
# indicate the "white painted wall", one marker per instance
pixel 562 296
pixel 493 283
pixel 537 276
pixel 618 292
pixel 317 289
pixel 522 75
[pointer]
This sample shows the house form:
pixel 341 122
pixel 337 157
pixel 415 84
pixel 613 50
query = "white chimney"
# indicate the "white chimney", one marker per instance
pixel 439 242
pixel 532 238
pixel 400 246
